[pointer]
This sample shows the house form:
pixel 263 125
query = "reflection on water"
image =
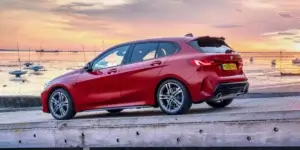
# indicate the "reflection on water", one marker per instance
pixel 258 60
pixel 265 70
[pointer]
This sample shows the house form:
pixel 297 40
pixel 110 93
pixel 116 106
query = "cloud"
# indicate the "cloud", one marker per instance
pixel 155 10
pixel 285 15
pixel 285 33
pixel 228 26
pixel 33 5
pixel 258 4
pixel 288 38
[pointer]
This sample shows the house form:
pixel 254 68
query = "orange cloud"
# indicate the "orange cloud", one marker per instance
pixel 69 23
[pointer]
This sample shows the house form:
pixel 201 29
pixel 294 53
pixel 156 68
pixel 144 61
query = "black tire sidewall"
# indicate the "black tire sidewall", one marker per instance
pixel 222 104
pixel 186 104
pixel 114 110
pixel 70 112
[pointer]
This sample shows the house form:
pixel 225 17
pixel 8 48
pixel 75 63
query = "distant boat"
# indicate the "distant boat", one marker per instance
pixel 289 74
pixel 40 51
pixel 47 51
pixel 273 62
pixel 251 59
pixel 296 61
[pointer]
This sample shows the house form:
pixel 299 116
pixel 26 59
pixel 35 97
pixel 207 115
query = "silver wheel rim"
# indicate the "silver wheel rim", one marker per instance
pixel 171 97
pixel 59 104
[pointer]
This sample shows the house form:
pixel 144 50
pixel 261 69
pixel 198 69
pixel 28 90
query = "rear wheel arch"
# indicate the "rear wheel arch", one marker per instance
pixel 165 79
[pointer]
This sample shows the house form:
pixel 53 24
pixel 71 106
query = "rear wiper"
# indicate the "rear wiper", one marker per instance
pixel 229 51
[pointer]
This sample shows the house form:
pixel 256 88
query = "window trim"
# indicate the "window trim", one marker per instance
pixel 109 50
pixel 144 42
pixel 130 54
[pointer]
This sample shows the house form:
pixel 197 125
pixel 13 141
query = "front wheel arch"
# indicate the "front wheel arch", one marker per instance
pixel 60 87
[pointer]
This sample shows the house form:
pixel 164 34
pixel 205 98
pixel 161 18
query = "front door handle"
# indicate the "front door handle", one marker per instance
pixel 155 63
pixel 112 71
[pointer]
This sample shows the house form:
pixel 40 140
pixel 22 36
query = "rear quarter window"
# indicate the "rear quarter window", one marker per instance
pixel 166 49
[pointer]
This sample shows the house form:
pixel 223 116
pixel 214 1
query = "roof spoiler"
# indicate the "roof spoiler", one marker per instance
pixel 203 37
pixel 189 35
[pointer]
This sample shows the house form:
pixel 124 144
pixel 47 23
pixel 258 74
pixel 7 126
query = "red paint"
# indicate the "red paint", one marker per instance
pixel 135 84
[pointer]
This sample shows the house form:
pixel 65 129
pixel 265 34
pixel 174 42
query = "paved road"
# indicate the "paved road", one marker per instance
pixel 239 106
pixel 281 88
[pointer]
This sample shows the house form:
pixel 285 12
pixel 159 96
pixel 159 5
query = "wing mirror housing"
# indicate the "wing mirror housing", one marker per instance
pixel 88 67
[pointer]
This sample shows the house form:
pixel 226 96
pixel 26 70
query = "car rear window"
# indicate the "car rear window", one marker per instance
pixel 210 45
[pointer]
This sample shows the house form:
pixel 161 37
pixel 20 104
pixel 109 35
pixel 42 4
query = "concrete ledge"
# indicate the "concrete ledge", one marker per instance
pixel 237 129
pixel 19 101
pixel 34 101
pixel 269 94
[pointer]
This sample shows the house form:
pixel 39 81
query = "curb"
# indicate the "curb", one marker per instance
pixel 20 109
pixel 269 94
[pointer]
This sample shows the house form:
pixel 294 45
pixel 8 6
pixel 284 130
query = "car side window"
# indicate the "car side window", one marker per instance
pixel 112 58
pixel 166 49
pixel 143 51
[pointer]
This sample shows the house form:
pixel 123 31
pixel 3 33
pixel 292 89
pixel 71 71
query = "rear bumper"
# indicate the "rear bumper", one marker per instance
pixel 230 90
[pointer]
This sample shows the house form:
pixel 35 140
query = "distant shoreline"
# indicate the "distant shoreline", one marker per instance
pixel 76 51
pixel 40 51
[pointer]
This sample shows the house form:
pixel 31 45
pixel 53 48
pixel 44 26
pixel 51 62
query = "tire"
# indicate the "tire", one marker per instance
pixel 114 110
pixel 221 104
pixel 165 101
pixel 68 106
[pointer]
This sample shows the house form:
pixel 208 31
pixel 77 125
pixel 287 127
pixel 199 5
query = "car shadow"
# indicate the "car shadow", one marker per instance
pixel 156 112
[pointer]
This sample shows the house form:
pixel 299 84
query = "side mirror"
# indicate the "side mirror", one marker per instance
pixel 88 67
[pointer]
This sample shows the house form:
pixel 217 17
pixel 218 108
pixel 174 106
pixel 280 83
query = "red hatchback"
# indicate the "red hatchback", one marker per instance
pixel 170 73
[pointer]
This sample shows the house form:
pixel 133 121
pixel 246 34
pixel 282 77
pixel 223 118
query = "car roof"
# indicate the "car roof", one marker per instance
pixel 167 39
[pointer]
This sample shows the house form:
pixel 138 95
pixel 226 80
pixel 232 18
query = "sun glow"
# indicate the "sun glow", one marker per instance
pixel 297 46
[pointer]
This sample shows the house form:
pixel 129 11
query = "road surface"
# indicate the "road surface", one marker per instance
pixel 239 106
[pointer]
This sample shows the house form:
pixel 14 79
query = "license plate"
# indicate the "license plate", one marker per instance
pixel 230 66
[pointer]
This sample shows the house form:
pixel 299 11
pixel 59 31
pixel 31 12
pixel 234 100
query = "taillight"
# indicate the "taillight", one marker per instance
pixel 241 64
pixel 201 62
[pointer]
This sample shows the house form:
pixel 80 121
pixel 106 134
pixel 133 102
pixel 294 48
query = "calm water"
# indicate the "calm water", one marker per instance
pixel 284 59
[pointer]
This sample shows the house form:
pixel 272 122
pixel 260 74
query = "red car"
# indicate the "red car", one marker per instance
pixel 170 73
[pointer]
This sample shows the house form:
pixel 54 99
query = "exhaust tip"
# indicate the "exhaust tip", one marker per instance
pixel 218 96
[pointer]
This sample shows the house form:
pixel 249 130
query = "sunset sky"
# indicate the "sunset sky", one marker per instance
pixel 248 25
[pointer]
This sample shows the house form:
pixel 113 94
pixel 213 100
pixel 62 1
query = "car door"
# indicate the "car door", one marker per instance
pixel 138 76
pixel 99 87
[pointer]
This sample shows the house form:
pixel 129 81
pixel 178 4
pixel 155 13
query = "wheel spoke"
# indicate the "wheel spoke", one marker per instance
pixel 60 97
pixel 176 102
pixel 56 108
pixel 164 96
pixel 64 104
pixel 168 86
pixel 178 91
pixel 53 100
pixel 169 105
pixel 62 111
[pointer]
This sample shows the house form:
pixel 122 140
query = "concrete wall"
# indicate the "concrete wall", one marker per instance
pixel 160 131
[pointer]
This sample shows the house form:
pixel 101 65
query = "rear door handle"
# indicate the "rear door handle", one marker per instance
pixel 155 63
pixel 112 71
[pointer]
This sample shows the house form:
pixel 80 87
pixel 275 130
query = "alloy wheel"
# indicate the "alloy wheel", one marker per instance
pixel 171 97
pixel 59 104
